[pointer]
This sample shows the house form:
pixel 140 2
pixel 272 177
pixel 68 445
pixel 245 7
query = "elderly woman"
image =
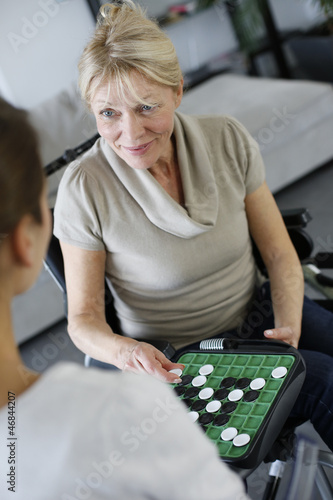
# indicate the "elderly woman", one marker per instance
pixel 111 443
pixel 164 206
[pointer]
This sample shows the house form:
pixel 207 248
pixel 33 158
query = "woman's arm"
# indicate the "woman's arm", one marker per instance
pixel 284 269
pixel 87 326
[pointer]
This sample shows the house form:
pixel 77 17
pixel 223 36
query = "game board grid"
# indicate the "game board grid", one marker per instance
pixel 248 416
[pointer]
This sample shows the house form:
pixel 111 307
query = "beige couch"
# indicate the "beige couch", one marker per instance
pixel 292 120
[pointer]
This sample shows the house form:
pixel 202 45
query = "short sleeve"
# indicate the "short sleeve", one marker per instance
pixel 247 155
pixel 76 212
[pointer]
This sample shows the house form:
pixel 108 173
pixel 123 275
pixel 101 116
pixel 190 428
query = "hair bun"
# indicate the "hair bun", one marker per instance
pixel 106 8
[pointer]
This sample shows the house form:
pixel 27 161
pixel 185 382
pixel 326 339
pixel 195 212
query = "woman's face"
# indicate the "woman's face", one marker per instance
pixel 139 134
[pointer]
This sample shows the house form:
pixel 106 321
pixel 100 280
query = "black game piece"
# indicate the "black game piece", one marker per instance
pixel 228 382
pixel 221 419
pixel 198 405
pixel 186 379
pixel 179 390
pixel 206 418
pixel 221 394
pixel 228 407
pixel 250 396
pixel 242 383
pixel 192 392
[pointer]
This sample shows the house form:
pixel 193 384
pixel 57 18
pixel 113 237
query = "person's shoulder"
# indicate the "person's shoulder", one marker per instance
pixel 83 163
pixel 211 124
pixel 87 173
pixel 202 120
pixel 220 123
pixel 226 127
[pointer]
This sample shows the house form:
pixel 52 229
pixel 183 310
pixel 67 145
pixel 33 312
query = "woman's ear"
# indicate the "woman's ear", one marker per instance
pixel 23 241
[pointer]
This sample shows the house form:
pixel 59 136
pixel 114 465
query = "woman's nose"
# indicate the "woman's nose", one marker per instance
pixel 132 126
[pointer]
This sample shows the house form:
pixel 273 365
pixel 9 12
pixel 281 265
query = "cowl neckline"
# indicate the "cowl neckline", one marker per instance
pixel 201 202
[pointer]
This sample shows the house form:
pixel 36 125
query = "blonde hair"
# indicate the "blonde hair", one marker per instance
pixel 126 40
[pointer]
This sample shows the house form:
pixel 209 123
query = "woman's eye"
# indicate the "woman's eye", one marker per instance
pixel 107 113
pixel 145 107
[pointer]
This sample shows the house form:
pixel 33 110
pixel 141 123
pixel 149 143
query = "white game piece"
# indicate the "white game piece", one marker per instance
pixel 213 406
pixel 257 383
pixel 241 440
pixel 176 371
pixel 193 416
pixel 206 369
pixel 199 381
pixel 235 395
pixel 279 372
pixel 206 393
pixel 229 434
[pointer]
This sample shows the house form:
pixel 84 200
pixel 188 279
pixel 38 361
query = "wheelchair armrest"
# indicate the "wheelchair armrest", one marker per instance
pixel 296 217
pixel 323 260
pixel 54 264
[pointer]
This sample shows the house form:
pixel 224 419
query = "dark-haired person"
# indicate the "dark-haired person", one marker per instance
pixel 164 205
pixel 73 433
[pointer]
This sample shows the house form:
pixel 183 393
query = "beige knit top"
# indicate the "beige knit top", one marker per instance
pixel 178 273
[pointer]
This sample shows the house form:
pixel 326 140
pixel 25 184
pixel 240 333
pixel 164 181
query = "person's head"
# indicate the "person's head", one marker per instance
pixel 125 40
pixel 131 80
pixel 24 214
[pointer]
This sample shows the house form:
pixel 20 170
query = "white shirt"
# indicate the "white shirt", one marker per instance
pixel 89 434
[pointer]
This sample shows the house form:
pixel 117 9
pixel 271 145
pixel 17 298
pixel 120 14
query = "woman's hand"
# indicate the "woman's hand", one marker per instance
pixel 141 357
pixel 85 274
pixel 285 333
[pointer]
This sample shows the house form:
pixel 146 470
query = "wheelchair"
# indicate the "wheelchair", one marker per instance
pixel 303 461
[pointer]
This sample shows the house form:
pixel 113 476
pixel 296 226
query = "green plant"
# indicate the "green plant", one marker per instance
pixel 326 6
pixel 247 18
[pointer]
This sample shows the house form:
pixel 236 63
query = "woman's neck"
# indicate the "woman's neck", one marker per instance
pixel 14 375
pixel 167 174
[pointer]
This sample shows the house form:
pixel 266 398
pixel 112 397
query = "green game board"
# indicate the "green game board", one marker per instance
pixel 247 397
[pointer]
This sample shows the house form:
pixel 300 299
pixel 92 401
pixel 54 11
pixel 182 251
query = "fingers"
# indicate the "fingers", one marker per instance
pixel 165 375
pixel 285 333
pixel 159 366
pixel 145 358
pixel 167 364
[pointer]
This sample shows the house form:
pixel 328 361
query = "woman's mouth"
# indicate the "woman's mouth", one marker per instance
pixel 138 150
